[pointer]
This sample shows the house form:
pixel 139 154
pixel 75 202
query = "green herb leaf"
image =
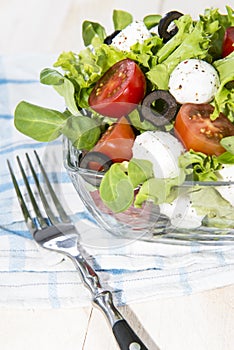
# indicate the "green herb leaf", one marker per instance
pixel 121 19
pixel 139 170
pixel 62 85
pixel 226 158
pixel 92 29
pixel 83 131
pixel 50 76
pixel 158 190
pixel 39 123
pixel 228 143
pixel 116 190
pixel 151 21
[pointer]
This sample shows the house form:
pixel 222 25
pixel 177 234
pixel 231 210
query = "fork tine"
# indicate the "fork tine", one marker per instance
pixel 63 215
pixel 46 205
pixel 40 218
pixel 27 217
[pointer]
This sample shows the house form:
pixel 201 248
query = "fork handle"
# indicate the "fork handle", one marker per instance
pixel 124 334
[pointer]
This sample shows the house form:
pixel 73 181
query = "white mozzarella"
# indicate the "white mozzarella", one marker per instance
pixel 227 174
pixel 133 33
pixel 162 149
pixel 194 81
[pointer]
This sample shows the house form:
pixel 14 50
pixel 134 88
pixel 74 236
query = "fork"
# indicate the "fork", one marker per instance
pixel 56 232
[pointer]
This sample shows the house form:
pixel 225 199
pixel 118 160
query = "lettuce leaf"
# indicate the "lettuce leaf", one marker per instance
pixel 224 98
pixel 209 202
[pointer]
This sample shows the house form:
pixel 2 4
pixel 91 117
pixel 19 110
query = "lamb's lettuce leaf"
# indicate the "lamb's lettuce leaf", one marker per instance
pixel 116 190
pixel 90 30
pixel 41 124
pixel 121 19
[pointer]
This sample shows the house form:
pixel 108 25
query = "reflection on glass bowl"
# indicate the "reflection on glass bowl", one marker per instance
pixel 175 223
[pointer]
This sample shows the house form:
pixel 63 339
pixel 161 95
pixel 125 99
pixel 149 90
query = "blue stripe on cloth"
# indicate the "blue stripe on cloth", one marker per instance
pixel 31 145
pixel 52 290
pixel 18 81
pixel 14 230
pixel 6 116
pixel 184 281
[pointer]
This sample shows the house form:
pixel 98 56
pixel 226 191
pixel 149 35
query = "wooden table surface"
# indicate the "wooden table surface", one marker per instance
pixel 204 321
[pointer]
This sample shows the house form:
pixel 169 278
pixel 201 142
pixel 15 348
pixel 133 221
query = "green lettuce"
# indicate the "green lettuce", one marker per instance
pixel 217 211
pixel 224 98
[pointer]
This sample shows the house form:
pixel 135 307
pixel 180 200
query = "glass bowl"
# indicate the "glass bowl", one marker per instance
pixel 174 223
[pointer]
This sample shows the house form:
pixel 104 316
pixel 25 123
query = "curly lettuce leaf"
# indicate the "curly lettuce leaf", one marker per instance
pixel 211 18
pixel 85 68
pixel 224 98
pixel 190 42
pixel 199 166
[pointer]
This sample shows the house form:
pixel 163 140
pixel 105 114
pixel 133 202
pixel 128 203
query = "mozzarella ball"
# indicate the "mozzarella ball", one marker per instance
pixel 133 33
pixel 162 149
pixel 227 174
pixel 194 81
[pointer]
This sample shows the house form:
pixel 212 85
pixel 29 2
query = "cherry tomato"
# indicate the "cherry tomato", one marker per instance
pixel 196 131
pixel 119 90
pixel 228 42
pixel 116 143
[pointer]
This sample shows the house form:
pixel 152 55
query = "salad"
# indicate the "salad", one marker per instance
pixel 151 106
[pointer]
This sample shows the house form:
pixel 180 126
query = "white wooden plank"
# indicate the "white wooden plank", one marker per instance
pixel 43 329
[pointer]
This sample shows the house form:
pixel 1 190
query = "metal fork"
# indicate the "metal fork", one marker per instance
pixel 58 233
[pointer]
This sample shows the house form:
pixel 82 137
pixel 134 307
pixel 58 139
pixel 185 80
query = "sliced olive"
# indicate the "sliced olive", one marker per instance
pixel 92 176
pixel 109 38
pixel 159 107
pixel 102 160
pixel 164 25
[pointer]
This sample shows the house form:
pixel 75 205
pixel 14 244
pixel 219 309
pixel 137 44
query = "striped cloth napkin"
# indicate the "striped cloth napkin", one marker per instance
pixel 135 271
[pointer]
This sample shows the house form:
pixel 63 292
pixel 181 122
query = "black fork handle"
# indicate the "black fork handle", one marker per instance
pixel 126 338
pixel 124 334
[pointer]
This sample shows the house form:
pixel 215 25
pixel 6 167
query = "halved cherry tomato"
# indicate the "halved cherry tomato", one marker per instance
pixel 228 42
pixel 119 90
pixel 116 143
pixel 196 131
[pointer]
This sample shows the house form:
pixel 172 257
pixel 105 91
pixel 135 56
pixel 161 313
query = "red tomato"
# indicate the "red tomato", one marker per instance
pixel 116 143
pixel 196 131
pixel 119 90
pixel 228 42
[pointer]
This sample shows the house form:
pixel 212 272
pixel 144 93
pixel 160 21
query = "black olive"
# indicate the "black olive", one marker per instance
pixel 94 177
pixel 164 25
pixel 109 38
pixel 97 157
pixel 159 107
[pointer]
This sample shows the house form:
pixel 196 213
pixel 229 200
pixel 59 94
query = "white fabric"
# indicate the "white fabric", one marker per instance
pixel 134 271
